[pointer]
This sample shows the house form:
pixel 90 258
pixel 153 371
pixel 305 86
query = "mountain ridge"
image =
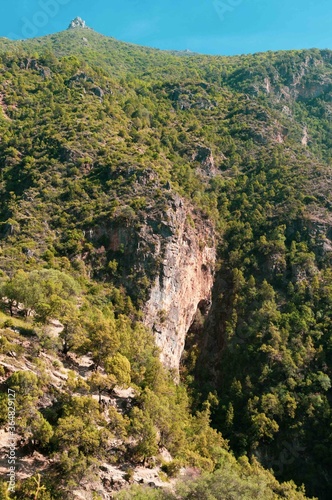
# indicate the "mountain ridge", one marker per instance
pixel 191 195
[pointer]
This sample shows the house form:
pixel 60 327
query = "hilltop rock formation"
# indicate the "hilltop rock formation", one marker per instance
pixel 77 23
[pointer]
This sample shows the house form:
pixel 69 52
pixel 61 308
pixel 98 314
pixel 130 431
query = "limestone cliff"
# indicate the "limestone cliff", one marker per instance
pixel 167 257
pixel 184 280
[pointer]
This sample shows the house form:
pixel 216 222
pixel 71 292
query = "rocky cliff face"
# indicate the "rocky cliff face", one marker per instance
pixel 170 253
pixel 184 281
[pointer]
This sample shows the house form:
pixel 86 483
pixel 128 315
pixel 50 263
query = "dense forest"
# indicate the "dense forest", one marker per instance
pixel 98 139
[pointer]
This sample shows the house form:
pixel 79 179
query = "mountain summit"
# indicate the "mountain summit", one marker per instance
pixel 77 23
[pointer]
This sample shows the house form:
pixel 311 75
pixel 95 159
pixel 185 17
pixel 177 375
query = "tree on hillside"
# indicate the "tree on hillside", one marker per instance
pixel 44 291
pixel 103 339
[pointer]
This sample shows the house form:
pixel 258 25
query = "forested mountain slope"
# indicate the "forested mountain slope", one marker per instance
pixel 174 207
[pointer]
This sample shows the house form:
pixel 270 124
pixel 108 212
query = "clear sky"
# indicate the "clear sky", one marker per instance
pixel 207 26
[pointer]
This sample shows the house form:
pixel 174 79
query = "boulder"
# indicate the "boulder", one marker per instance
pixel 97 91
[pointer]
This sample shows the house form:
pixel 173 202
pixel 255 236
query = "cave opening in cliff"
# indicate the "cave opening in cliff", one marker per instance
pixel 194 336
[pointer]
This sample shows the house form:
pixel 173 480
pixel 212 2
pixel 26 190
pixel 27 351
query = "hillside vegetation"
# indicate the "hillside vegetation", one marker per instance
pixel 97 140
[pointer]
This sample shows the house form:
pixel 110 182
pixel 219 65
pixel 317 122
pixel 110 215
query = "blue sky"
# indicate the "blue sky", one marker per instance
pixel 207 26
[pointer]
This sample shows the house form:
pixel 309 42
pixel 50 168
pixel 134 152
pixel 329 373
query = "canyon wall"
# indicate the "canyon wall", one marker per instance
pixel 184 281
pixel 167 255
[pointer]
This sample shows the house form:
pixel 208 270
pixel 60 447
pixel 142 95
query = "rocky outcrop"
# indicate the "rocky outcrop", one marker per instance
pixel 185 279
pixel 205 157
pixel 305 137
pixel 77 23
pixel 172 252
pixel 81 79
pixel 192 97
pixel 97 91
pixel 81 76
pixel 33 64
